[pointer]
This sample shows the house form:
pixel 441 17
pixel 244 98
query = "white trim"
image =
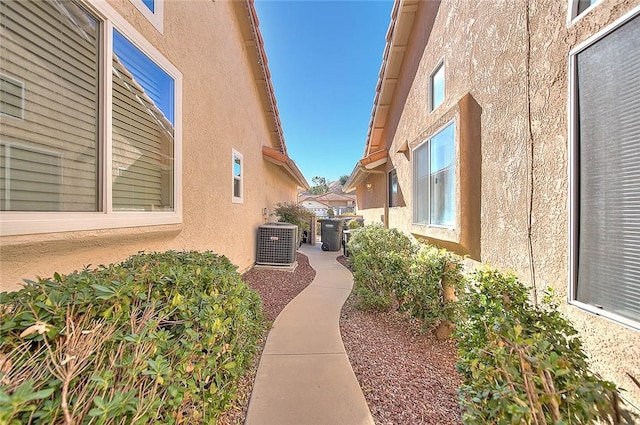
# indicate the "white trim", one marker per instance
pixel 237 199
pixel 573 209
pixel 605 31
pixel 156 17
pixel 439 66
pixel 21 223
pixel 572 11
pixel 624 321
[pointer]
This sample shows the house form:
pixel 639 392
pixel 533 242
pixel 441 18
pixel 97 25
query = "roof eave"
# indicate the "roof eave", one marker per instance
pixel 290 167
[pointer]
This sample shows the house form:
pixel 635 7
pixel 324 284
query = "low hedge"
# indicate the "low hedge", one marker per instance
pixel 524 364
pixel 391 270
pixel 161 337
pixel 520 363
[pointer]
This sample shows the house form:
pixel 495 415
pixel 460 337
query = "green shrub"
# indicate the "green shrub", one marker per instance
pixel 161 337
pixel 422 293
pixel 354 224
pixel 523 364
pixel 380 259
pixel 293 213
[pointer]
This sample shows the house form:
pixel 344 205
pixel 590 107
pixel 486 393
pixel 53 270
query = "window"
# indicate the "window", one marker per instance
pixel 153 10
pixel 436 85
pixel 434 179
pixel 605 197
pixel 99 141
pixel 237 174
pixel 578 7
pixel 393 188
pixel 11 97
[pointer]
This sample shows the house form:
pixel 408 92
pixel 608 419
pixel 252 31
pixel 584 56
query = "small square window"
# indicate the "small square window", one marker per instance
pixel 436 84
pixel 151 4
pixel 11 97
pixel 237 175
pixel 579 7
pixel 153 10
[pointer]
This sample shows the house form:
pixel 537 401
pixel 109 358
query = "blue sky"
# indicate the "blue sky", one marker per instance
pixel 324 58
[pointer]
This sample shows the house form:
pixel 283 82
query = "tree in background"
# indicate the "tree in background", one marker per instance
pixel 320 186
pixel 291 212
pixel 331 213
pixel 343 179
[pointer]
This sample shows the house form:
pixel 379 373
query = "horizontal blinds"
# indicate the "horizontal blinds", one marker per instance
pixel 421 184
pixel 49 141
pixel 142 146
pixel 609 226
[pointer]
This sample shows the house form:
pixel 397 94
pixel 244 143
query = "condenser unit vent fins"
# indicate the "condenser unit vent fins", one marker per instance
pixel 277 244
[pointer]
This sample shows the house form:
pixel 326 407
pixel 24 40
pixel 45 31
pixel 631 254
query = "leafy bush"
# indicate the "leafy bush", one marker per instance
pixel 161 337
pixel 523 364
pixel 291 212
pixel 354 224
pixel 380 259
pixel 422 294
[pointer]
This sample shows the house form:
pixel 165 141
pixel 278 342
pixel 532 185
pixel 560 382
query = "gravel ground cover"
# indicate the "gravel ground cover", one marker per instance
pixel 408 378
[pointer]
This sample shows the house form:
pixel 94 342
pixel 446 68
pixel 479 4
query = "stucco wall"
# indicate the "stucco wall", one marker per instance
pixel 221 112
pixel 484 46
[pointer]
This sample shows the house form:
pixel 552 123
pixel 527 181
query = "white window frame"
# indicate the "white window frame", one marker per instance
pixel 20 83
pixel 439 66
pixel 574 198
pixel 237 199
pixel 27 222
pixel 156 17
pixel 572 12
pixel 427 143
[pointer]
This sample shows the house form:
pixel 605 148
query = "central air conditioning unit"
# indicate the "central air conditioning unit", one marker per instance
pixel 277 244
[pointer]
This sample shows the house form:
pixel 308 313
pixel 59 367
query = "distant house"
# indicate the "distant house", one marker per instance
pixel 318 208
pixel 319 204
pixel 508 132
pixel 132 125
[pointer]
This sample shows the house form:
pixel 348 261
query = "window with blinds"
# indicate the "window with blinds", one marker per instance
pixel 50 156
pixel 606 204
pixel 54 156
pixel 434 179
pixel 142 159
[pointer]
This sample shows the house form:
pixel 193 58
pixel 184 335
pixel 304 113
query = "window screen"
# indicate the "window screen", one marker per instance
pixel 608 105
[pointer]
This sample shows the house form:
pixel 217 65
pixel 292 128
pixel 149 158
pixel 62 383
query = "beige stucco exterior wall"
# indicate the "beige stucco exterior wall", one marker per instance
pixel 484 46
pixel 221 112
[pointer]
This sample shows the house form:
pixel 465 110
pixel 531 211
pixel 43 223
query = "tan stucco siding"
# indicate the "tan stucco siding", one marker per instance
pixel 484 47
pixel 222 111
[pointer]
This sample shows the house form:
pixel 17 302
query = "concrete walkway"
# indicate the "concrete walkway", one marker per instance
pixel 304 376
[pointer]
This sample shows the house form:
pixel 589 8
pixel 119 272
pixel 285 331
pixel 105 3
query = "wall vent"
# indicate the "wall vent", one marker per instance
pixel 277 244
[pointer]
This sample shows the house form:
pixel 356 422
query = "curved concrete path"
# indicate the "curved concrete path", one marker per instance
pixel 304 376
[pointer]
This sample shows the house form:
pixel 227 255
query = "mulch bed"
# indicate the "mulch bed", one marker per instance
pixel 407 377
